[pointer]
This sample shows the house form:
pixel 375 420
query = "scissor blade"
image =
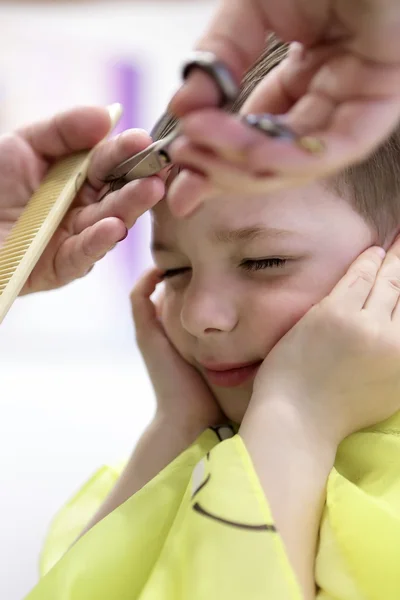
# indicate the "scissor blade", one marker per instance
pixel 146 163
pixel 151 164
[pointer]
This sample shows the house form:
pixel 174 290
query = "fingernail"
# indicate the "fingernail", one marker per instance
pixel 311 144
pixel 192 169
pixel 296 50
pixel 124 236
pixel 381 252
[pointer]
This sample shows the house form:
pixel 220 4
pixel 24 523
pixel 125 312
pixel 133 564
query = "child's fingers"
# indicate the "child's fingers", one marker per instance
pixel 143 309
pixel 158 303
pixel 354 288
pixel 386 291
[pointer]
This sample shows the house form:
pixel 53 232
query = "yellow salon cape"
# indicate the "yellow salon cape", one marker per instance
pixel 202 530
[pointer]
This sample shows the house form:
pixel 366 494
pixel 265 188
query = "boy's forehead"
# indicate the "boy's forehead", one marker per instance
pixel 221 223
pixel 312 212
pixel 234 212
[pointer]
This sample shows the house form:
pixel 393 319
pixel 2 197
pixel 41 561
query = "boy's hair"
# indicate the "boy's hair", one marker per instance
pixel 372 186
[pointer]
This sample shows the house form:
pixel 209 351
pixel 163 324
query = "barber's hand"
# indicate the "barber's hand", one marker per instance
pixel 337 370
pixel 90 228
pixel 183 398
pixel 341 85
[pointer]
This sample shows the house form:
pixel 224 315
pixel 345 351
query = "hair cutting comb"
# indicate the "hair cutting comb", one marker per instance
pixel 40 219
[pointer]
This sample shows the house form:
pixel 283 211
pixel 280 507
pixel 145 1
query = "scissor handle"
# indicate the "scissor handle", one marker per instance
pixel 219 73
pixel 155 158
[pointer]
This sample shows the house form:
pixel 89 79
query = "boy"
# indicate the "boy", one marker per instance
pixel 238 275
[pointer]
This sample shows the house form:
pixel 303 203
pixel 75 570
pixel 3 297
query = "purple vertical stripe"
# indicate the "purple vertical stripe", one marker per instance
pixel 125 87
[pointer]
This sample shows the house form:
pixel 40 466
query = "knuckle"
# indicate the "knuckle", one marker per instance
pixel 87 271
pixel 394 282
pixel 125 139
pixel 374 256
pixel 86 248
pixel 366 272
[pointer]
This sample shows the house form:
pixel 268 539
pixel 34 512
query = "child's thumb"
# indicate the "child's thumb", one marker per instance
pixel 143 309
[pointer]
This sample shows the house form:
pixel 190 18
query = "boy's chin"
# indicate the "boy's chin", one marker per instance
pixel 234 401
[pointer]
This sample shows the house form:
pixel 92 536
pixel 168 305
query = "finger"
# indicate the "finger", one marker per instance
pixel 127 204
pixel 283 85
pixel 332 81
pixel 354 288
pixel 186 193
pixel 355 130
pixel 113 152
pixel 386 291
pixel 77 255
pixel 349 104
pixel 143 309
pixel 223 172
pixel 237 37
pixel 213 175
pixel 70 131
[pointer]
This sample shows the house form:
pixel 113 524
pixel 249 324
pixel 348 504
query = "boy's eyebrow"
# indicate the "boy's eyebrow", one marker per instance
pixel 229 236
pixel 247 234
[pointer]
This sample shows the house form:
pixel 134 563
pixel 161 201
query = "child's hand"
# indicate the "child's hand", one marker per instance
pixel 338 369
pixel 183 398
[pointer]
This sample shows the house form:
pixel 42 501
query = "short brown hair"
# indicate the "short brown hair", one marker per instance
pixel 372 186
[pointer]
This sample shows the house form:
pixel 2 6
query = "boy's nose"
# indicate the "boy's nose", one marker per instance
pixel 207 311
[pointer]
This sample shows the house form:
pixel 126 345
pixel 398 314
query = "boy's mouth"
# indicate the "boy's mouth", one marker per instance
pixel 230 375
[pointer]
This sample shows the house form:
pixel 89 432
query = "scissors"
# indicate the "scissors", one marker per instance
pixel 155 158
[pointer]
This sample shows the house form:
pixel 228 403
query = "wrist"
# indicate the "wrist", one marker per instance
pixel 293 434
pixel 298 417
pixel 292 460
pixel 184 428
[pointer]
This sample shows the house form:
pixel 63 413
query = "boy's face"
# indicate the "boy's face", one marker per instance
pixel 242 271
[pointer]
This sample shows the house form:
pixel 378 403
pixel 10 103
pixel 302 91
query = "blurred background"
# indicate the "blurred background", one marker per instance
pixel 74 394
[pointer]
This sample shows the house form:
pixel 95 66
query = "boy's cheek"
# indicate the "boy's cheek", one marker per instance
pixel 282 316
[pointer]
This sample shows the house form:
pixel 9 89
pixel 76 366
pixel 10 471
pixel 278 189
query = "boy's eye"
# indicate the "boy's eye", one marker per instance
pixel 174 272
pixel 263 263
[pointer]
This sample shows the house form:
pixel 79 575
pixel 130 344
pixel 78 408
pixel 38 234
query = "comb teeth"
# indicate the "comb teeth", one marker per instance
pixel 40 219
pixel 23 239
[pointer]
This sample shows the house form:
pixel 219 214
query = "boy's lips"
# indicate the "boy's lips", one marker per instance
pixel 232 374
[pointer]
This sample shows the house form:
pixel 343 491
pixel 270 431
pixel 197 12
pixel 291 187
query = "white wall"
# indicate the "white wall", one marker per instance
pixel 73 390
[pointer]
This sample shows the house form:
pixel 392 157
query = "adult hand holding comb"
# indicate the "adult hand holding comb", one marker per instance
pixel 90 228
